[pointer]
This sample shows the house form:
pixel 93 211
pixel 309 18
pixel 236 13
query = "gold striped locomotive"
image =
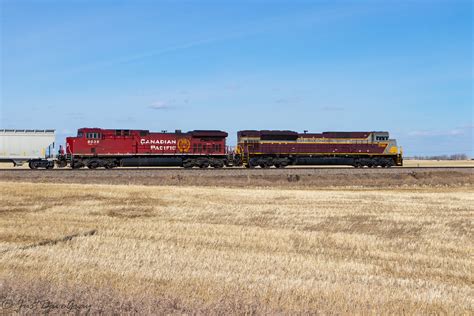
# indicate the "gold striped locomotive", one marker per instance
pixel 282 148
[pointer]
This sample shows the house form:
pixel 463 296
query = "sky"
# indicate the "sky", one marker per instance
pixel 400 66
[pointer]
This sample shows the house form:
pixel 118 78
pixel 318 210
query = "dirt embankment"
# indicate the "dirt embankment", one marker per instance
pixel 252 178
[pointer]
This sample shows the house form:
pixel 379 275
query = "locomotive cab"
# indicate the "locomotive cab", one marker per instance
pixel 380 136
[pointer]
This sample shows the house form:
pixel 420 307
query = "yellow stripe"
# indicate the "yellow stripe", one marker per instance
pixel 321 142
pixel 324 154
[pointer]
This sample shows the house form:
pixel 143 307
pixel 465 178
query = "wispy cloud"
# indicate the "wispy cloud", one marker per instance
pixel 468 126
pixel 159 105
pixel 435 133
pixel 259 26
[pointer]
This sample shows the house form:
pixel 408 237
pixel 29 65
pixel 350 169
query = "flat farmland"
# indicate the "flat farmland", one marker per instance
pixel 438 163
pixel 75 247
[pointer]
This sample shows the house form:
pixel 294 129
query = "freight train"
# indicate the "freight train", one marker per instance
pixel 109 148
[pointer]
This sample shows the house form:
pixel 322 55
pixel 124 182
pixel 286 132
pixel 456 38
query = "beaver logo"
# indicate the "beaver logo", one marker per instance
pixel 184 145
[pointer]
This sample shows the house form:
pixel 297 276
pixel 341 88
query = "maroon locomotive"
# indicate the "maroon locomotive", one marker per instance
pixel 109 148
pixel 282 148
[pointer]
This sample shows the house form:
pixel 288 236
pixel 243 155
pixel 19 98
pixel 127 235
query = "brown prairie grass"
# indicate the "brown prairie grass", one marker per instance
pixel 438 163
pixel 103 248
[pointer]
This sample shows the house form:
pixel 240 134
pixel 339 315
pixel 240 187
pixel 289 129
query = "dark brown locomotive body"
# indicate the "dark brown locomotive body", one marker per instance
pixel 282 148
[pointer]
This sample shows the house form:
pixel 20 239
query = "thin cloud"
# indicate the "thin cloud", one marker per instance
pixel 159 105
pixel 435 133
pixel 249 29
pixel 468 126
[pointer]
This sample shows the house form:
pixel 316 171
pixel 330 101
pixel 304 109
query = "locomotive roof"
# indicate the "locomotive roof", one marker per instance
pixel 208 133
pixel 195 133
pixel 286 133
pixel 257 133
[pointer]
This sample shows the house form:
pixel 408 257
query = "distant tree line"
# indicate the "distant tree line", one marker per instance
pixel 441 157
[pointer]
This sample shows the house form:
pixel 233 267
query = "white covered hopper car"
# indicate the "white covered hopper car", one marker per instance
pixel 32 146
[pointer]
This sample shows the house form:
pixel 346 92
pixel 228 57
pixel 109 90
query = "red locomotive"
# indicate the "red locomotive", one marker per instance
pixel 282 148
pixel 109 148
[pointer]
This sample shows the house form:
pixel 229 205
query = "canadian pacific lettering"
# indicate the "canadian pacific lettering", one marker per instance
pixel 158 141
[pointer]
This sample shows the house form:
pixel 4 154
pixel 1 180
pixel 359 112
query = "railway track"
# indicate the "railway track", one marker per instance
pixel 288 169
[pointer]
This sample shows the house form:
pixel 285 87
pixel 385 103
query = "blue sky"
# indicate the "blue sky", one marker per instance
pixel 401 66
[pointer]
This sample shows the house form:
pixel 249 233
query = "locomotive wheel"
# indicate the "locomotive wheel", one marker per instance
pixel 370 164
pixel 218 165
pixel 281 163
pixel 254 162
pixel 77 164
pixel 61 163
pixel 188 164
pixel 93 165
pixel 204 165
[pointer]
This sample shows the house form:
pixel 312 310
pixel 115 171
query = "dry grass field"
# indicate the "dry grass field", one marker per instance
pixel 161 249
pixel 438 163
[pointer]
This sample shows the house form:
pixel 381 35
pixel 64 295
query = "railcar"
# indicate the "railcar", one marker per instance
pixel 109 148
pixel 35 147
pixel 266 148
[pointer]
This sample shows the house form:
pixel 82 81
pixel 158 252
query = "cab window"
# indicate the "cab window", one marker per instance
pixel 93 135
